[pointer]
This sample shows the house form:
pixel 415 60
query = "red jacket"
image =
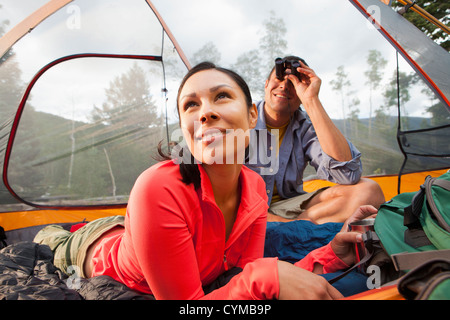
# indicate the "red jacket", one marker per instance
pixel 174 239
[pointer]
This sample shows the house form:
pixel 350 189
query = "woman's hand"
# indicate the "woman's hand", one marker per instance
pixel 299 284
pixel 343 242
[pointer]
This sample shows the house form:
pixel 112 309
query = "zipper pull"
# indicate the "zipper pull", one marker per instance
pixel 225 264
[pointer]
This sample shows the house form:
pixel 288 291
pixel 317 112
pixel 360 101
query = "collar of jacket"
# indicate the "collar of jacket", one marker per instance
pixel 250 207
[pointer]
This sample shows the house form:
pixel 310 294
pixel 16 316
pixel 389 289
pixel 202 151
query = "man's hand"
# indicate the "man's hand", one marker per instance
pixel 309 84
pixel 343 243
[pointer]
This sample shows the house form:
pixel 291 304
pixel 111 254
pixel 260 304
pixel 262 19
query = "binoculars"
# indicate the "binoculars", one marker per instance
pixel 281 64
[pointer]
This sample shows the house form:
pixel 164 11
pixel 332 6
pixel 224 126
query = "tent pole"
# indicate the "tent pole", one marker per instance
pixel 169 33
pixel 29 23
pixel 399 130
pixel 414 7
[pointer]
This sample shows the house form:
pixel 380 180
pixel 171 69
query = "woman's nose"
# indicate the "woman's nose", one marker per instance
pixel 208 114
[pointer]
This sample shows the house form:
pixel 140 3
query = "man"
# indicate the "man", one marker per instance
pixel 285 140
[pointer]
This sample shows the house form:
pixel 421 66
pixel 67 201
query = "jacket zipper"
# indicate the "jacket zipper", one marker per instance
pixel 225 263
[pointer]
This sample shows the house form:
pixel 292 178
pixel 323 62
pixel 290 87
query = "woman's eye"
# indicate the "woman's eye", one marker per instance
pixel 222 95
pixel 189 104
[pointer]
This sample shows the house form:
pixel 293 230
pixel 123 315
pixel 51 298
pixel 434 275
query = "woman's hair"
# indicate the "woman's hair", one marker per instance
pixel 189 170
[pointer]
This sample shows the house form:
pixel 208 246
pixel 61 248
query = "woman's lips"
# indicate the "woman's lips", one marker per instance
pixel 210 135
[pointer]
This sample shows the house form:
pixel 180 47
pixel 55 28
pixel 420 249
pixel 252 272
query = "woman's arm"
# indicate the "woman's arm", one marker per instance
pixel 164 246
pixel 162 241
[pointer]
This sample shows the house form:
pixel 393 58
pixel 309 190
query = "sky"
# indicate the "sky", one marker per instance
pixel 326 33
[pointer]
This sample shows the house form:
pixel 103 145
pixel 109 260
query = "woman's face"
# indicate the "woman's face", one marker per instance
pixel 214 117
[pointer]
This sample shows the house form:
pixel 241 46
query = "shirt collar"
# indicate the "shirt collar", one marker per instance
pixel 261 123
pixel 299 115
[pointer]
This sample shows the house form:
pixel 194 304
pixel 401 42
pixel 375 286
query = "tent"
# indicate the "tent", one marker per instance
pixel 87 92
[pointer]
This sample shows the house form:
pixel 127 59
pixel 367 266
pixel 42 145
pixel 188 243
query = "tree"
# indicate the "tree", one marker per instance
pixel 272 44
pixel 374 76
pixel 25 146
pixel 440 114
pixel 253 65
pixel 128 102
pixel 208 52
pixel 340 85
pixel 3 25
pixel 249 67
pixel 11 86
pixel 391 95
pixel 438 9
pixel 354 115
pixel 128 115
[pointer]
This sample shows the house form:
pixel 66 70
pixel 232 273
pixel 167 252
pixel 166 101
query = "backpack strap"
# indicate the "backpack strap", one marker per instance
pixel 418 282
pixel 371 243
pixel 414 235
pixel 445 184
pixel 410 260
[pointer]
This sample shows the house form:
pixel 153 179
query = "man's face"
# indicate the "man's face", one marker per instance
pixel 280 96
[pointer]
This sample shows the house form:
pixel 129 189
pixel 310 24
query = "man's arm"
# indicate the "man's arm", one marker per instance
pixel 331 139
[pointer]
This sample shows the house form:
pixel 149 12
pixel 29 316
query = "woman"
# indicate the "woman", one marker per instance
pixel 186 224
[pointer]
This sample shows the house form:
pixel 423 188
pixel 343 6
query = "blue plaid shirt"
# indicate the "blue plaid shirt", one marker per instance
pixel 300 146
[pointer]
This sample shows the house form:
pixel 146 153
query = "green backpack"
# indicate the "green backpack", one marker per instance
pixel 414 229
pixel 417 221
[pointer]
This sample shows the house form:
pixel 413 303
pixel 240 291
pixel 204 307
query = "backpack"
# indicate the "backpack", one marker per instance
pixel 429 281
pixel 414 231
